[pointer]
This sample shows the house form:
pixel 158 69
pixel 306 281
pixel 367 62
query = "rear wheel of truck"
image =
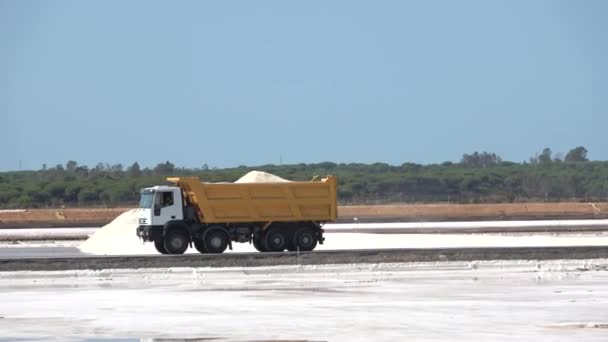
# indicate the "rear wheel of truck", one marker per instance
pixel 275 239
pixel 305 239
pixel 176 242
pixel 200 246
pixel 291 247
pixel 291 233
pixel 160 246
pixel 258 244
pixel 215 240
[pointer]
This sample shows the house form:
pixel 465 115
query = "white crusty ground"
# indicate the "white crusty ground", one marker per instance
pixel 560 300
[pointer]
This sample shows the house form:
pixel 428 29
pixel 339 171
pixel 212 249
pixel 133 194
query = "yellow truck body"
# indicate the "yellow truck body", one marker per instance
pixel 315 200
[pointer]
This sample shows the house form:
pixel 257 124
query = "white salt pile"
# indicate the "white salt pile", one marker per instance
pixel 117 237
pixel 260 177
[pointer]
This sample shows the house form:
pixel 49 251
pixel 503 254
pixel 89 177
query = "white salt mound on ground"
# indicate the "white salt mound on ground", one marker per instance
pixel 116 237
pixel 260 177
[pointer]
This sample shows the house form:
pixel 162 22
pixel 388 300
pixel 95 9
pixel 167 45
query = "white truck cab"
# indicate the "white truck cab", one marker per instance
pixel 159 205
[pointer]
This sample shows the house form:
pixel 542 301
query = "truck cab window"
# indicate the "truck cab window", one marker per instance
pixel 167 199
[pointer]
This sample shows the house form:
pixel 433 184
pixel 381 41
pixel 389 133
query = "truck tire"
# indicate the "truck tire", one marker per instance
pixel 176 242
pixel 215 240
pixel 159 244
pixel 291 247
pixel 275 240
pixel 200 246
pixel 305 239
pixel 291 233
pixel 258 244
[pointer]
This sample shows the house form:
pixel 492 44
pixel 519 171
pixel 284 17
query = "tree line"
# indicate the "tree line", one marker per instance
pixel 479 177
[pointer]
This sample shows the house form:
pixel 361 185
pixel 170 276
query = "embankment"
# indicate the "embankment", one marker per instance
pixel 97 217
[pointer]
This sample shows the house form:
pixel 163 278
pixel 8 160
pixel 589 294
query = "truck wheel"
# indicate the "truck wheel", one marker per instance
pixel 160 246
pixel 292 248
pixel 258 244
pixel 291 245
pixel 305 239
pixel 215 240
pixel 275 240
pixel 200 246
pixel 176 242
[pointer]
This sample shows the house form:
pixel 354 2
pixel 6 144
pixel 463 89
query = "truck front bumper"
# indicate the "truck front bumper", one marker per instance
pixel 149 233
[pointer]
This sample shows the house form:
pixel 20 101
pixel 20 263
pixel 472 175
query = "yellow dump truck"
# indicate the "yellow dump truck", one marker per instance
pixel 274 216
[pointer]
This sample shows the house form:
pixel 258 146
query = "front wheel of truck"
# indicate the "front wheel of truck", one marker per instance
pixel 176 242
pixel 160 246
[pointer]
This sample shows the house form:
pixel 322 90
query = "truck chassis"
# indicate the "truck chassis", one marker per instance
pixel 176 236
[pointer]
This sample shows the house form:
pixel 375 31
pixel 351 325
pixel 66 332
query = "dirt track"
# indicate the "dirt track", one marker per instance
pixel 95 217
pixel 361 256
pixel 85 217
pixel 471 212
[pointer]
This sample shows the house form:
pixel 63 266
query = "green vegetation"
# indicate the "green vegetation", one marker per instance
pixel 478 178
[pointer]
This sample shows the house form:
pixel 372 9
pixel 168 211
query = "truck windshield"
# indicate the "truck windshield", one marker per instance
pixel 147 199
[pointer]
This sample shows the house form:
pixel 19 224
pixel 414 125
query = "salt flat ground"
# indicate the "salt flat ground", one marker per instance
pixel 342 241
pixel 562 300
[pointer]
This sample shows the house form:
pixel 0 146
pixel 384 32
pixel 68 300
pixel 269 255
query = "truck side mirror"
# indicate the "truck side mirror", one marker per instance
pixel 156 210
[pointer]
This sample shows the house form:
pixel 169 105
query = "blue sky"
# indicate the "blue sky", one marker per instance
pixel 228 83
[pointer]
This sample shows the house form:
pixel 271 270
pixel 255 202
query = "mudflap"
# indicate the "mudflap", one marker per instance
pixel 321 237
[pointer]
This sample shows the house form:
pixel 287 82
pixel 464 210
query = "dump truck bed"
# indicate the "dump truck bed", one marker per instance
pixel 261 202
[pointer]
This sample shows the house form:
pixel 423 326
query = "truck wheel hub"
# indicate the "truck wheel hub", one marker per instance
pixel 176 243
pixel 216 242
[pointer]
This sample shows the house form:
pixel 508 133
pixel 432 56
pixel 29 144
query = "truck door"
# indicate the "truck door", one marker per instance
pixel 167 207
